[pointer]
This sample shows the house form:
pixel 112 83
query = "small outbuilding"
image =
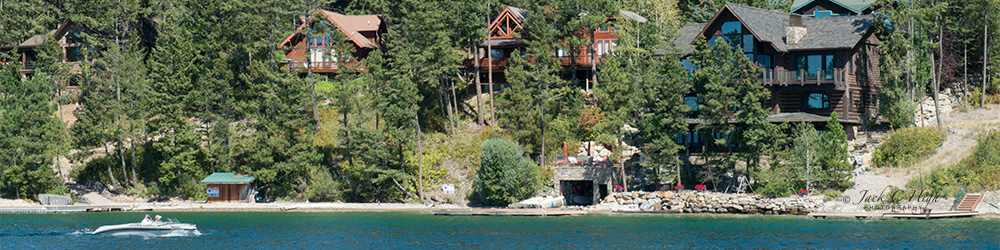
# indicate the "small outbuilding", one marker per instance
pixel 229 187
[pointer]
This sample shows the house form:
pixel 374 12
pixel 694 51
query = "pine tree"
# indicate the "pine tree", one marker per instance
pixel 30 134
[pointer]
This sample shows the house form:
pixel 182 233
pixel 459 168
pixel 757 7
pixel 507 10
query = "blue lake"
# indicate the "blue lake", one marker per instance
pixel 306 230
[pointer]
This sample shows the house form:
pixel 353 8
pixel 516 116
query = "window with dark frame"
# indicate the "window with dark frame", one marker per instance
pixel 814 101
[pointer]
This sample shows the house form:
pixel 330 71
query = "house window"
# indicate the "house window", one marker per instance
pixel 748 43
pixel 731 28
pixel 812 63
pixel 605 46
pixel 822 13
pixel 688 138
pixel 603 29
pixel 560 52
pixel 73 54
pixel 764 61
pixel 692 102
pixel 497 53
pixel 815 101
pixel 74 38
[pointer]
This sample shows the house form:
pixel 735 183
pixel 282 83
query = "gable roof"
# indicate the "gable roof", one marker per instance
pixel 36 40
pixel 766 25
pixel 350 25
pixel 841 32
pixel 854 5
pixel 227 178
pixel 520 14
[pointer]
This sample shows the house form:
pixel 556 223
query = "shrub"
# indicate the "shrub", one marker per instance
pixel 907 146
pixel 506 175
pixel 980 171
pixel 324 87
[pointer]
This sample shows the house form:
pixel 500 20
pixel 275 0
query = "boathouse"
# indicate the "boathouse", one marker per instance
pixel 229 187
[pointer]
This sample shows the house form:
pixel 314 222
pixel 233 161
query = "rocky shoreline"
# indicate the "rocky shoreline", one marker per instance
pixel 708 202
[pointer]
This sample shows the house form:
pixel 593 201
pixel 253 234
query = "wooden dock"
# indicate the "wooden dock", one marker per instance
pixel 508 212
pixel 62 209
pixel 881 215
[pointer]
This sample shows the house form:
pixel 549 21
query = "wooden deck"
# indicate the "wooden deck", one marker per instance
pixel 508 212
pixel 880 215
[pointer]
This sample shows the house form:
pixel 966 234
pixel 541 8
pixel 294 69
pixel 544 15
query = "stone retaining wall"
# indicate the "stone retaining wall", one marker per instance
pixel 709 202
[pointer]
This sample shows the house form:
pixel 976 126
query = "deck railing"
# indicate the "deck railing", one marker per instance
pixel 780 77
pixel 316 66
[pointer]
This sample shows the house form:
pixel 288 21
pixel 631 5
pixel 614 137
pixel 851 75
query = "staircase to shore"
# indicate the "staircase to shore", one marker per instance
pixel 970 202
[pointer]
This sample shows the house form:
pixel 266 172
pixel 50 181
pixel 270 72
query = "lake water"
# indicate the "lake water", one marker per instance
pixel 304 230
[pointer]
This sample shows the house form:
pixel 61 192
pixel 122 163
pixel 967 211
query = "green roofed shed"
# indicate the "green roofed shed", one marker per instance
pixel 227 178
pixel 229 187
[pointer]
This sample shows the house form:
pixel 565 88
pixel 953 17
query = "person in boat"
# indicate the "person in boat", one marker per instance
pixel 158 217
pixel 147 221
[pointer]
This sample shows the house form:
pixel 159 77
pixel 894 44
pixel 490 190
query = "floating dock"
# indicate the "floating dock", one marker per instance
pixel 879 215
pixel 509 212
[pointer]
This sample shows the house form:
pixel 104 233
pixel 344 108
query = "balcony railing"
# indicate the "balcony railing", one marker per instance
pixel 779 77
pixel 316 66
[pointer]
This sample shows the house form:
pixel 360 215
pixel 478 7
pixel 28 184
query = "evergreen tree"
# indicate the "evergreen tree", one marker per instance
pixel 29 132
pixel 506 175
pixel 836 171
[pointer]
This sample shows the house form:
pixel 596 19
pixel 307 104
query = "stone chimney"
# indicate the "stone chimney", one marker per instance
pixel 794 31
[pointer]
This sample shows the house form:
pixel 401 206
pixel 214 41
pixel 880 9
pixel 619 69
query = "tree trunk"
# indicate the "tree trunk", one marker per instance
pixel 909 63
pixel 135 178
pixel 104 143
pixel 593 62
pixel 121 156
pixel 445 110
pixel 454 103
pixel 347 136
pixel 986 39
pixel 937 79
pixel 420 157
pixel 489 67
pixel 479 88
pixel 934 83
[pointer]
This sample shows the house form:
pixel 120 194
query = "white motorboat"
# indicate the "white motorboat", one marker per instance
pixel 172 227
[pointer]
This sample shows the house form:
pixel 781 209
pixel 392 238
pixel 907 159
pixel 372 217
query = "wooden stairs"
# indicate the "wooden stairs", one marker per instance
pixel 970 202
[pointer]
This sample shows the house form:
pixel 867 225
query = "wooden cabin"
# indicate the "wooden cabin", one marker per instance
pixel 505 39
pixel 229 187
pixel 312 52
pixel 813 67
pixel 67 35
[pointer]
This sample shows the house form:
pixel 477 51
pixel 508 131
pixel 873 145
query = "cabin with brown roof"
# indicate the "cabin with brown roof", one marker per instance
pixel 69 37
pixel 813 67
pixel 308 53
pixel 505 39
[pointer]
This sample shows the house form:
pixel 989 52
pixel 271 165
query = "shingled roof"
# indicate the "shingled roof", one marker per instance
pixel 684 37
pixel 518 13
pixel 841 32
pixel 768 26
pixel 350 25
pixel 854 5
